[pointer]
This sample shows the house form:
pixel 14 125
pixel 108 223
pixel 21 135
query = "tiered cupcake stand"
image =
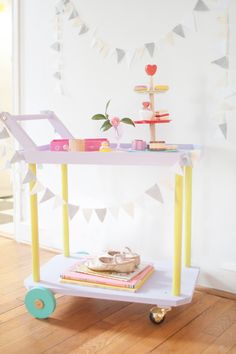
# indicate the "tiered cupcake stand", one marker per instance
pixel 172 283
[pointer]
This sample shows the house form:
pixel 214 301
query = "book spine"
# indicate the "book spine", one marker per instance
pixel 96 285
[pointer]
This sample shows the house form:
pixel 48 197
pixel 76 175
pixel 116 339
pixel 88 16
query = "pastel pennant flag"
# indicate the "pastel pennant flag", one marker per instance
pixel 38 187
pixel 177 169
pixel 58 202
pixel 155 193
pixel 139 52
pixel 200 6
pixel 83 29
pixel 169 38
pixel 48 194
pixel 73 15
pixel 72 210
pixel 56 46
pixel 17 157
pixel 114 212
pixel 120 54
pixel 4 134
pixel 150 48
pixel 57 75
pixel 105 50
pixel 179 30
pixel 223 19
pixel 101 213
pixel 129 209
pixel 29 177
pixel 129 57
pixel 225 106
pixel 3 151
pixel 223 62
pixel 77 22
pixel 87 214
pixel 223 128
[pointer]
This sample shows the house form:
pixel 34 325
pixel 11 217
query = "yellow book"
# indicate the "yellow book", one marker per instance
pixel 104 286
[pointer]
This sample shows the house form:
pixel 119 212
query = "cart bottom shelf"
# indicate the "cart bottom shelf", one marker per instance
pixel 157 289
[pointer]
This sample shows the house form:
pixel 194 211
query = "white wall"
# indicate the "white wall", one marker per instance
pixel 89 81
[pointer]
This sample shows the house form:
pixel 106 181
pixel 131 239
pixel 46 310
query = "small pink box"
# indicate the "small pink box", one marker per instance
pixel 59 145
pixel 139 144
pixel 93 144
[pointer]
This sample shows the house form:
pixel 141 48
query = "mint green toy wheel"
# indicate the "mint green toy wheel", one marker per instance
pixel 40 302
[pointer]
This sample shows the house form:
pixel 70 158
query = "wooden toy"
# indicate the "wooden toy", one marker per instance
pixel 59 145
pixel 105 147
pixel 139 145
pixel 147 118
pixel 172 283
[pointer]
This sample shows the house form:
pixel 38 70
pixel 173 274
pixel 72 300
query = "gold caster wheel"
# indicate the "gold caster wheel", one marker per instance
pixel 157 314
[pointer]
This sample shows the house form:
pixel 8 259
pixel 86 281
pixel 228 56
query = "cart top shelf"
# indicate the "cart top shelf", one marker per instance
pixel 42 154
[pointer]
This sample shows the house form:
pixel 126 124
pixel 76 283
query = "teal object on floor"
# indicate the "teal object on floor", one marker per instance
pixel 40 302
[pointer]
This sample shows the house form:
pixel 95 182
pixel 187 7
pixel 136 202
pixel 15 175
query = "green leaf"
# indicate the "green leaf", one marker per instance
pixel 128 121
pixel 107 108
pixel 106 125
pixel 98 117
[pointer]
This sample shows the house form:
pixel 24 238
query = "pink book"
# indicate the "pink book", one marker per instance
pixel 108 281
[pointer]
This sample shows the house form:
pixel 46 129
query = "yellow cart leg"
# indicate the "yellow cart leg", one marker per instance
pixel 188 214
pixel 176 284
pixel 65 216
pixel 34 228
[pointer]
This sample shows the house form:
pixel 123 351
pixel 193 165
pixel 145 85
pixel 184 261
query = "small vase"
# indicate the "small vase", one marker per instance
pixel 117 135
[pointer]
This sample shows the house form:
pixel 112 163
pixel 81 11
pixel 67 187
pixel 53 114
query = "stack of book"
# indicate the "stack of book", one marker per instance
pixel 80 274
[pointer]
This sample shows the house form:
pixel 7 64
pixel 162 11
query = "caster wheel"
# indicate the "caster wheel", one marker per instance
pixel 40 302
pixel 157 314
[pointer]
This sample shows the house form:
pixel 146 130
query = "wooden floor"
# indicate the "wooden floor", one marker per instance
pixel 79 325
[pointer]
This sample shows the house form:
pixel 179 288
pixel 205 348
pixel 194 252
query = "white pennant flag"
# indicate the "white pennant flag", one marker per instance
pixel 225 106
pixel 56 46
pixel 29 177
pixel 179 30
pixel 4 134
pixel 17 157
pixel 77 22
pixel 87 213
pixel 58 202
pixel 105 50
pixel 38 187
pixel 169 38
pixel 114 212
pixel 223 62
pixel 129 209
pixel 155 193
pixel 120 54
pixel 223 128
pixel 101 213
pixel 48 194
pixel 73 15
pixel 130 54
pixel 83 29
pixel 72 210
pixel 201 6
pixel 177 169
pixel 150 48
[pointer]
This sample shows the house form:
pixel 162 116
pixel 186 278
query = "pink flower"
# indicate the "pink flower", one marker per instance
pixel 115 121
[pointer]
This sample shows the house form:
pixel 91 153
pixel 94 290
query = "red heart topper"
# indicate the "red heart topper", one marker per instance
pixel 151 69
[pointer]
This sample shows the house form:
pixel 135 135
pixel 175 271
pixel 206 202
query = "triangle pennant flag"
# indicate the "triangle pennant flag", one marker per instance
pixel 129 57
pixel 155 193
pixel 58 202
pixel 101 213
pixel 223 62
pixel 17 157
pixel 179 30
pixel 57 75
pixel 38 187
pixel 4 134
pixel 120 54
pixel 72 210
pixel 77 22
pixel 177 169
pixel 83 29
pixel 169 38
pixel 87 214
pixel 150 48
pixel 73 15
pixel 129 209
pixel 200 6
pixel 48 194
pixel 223 128
pixel 114 212
pixel 56 46
pixel 29 177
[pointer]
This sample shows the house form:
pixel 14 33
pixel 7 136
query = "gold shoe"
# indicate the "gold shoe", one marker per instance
pixel 114 264
pixel 127 254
